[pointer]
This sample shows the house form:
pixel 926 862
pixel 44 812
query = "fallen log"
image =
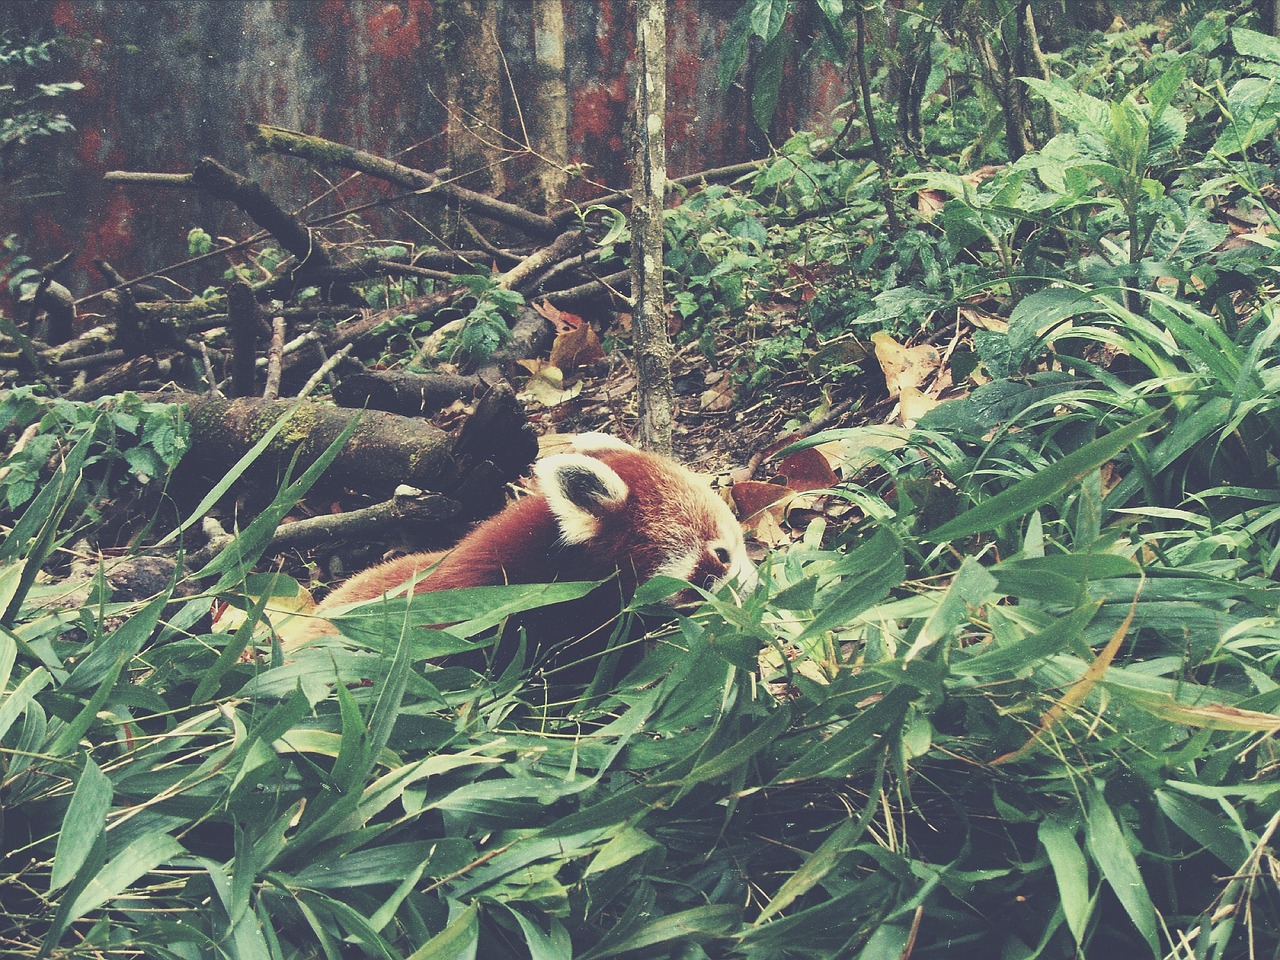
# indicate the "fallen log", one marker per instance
pixel 384 452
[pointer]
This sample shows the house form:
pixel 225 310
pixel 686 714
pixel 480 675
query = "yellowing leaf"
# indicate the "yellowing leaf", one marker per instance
pixel 912 405
pixel 904 367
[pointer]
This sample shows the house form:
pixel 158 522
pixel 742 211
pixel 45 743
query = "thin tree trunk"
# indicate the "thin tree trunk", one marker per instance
pixel 648 184
pixel 549 120
pixel 475 96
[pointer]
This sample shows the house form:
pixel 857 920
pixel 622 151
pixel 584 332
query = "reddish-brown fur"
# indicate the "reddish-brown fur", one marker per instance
pixel 604 510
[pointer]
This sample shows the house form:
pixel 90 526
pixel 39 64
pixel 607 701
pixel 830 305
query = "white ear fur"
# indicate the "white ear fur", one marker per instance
pixel 587 442
pixel 579 489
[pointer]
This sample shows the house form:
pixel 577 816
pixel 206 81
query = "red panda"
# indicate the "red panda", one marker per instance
pixel 605 509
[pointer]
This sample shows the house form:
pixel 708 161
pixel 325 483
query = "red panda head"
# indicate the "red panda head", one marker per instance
pixel 642 514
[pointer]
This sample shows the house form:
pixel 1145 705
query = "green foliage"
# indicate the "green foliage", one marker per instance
pixel 30 105
pixel 486 326
pixel 1042 672
pixel 131 441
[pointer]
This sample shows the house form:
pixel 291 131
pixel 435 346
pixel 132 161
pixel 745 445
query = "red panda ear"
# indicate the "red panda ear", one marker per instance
pixel 579 490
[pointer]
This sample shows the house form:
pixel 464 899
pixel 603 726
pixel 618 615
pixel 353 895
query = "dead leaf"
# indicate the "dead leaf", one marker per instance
pixel 929 202
pixel 983 320
pixel 718 397
pixel 547 387
pixel 576 347
pixel 562 320
pixel 807 469
pixel 912 405
pixel 904 366
pixel 752 496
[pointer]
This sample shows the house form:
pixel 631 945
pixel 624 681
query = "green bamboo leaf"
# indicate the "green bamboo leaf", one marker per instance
pixel 228 480
pixel 628 844
pixel 730 759
pixel 829 855
pixel 1110 851
pixel 1071 872
pixel 696 925
pixel 872 570
pixel 231 651
pixel 457 941
pixel 85 820
pixel 387 864
pixel 14 704
pixel 478 608
pixel 1022 654
pixel 136 860
pixel 1208 828
pixel 1034 491
pixel 847 749
pixel 972 586
pixel 552 945
pixel 117 649
pixel 244 549
pixel 71 733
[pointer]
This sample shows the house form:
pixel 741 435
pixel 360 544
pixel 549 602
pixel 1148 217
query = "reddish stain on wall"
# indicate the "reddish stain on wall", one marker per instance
pixel 395 33
pixel 335 16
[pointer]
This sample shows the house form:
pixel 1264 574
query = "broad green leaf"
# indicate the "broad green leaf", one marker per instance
pixel 1109 849
pixel 766 17
pixel 1251 43
pixel 1071 872
pixel 768 80
pixel 1034 491
pixel 83 824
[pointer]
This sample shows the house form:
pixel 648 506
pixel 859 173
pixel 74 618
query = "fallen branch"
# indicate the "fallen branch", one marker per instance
pixel 327 153
pixel 407 505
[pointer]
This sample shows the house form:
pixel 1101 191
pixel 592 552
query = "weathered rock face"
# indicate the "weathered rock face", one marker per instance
pixel 169 81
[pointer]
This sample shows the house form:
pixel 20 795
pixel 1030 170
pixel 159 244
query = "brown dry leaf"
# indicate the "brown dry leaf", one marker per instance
pixel 928 203
pixel 766 526
pixel 535 366
pixel 280 615
pixel 807 469
pixel 752 496
pixel 904 366
pixel 560 319
pixel 575 348
pixel 718 397
pixel 983 320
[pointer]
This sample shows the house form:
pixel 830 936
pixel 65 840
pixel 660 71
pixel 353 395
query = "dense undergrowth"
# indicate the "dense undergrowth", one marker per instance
pixel 1025 708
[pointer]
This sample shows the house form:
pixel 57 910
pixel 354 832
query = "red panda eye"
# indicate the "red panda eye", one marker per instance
pixel 722 554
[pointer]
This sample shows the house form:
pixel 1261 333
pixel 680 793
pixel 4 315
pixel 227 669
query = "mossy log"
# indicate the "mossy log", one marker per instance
pixel 385 450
